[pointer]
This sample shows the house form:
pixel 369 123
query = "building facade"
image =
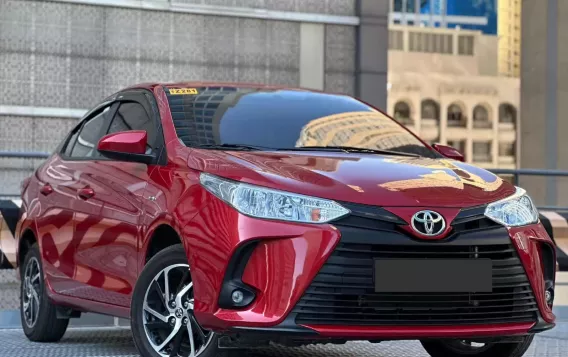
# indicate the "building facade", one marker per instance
pixel 444 85
pixel 544 97
pixel 477 15
pixel 58 58
pixel 509 30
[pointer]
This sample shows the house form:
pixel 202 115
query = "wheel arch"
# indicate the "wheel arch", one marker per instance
pixel 27 239
pixel 162 236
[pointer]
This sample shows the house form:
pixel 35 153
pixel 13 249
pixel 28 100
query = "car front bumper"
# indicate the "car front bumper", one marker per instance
pixel 304 284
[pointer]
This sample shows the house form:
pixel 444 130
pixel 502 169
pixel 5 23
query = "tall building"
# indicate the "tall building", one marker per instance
pixel 478 15
pixel 509 30
pixel 544 98
pixel 444 85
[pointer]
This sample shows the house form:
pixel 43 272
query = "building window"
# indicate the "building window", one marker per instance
pixel 455 116
pixel 396 40
pixel 482 151
pixel 430 109
pixel 507 114
pixel 507 149
pixel 430 43
pixel 481 117
pixel 402 113
pixel 465 45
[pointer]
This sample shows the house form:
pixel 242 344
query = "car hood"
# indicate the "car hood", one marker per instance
pixel 380 180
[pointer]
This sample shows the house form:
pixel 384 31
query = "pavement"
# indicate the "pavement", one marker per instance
pixel 98 336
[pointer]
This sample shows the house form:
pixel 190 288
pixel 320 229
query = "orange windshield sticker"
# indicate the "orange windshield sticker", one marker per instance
pixel 180 91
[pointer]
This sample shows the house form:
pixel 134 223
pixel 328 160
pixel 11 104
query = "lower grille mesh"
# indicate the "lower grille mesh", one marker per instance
pixel 343 291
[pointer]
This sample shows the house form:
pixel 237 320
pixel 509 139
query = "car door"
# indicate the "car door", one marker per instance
pixel 58 179
pixel 108 238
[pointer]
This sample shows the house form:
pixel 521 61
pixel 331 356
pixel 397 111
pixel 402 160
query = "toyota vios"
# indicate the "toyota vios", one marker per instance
pixel 220 216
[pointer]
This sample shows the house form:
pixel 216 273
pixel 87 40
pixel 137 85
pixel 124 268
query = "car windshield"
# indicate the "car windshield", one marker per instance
pixel 213 117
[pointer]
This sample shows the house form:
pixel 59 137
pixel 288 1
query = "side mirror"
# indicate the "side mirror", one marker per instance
pixel 449 152
pixel 126 146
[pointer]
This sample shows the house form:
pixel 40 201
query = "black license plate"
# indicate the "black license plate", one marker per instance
pixel 433 276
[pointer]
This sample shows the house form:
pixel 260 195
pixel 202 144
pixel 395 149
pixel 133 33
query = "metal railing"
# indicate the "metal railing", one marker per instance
pixel 514 173
pixel 517 173
pixel 24 155
pixel 20 155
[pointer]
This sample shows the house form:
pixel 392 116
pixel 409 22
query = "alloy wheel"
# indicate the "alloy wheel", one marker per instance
pixel 169 322
pixel 31 292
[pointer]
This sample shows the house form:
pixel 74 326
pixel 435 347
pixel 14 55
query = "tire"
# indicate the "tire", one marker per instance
pixel 167 258
pixel 444 349
pixel 46 327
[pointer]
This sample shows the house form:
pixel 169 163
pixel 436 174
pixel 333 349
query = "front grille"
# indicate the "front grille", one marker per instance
pixel 343 292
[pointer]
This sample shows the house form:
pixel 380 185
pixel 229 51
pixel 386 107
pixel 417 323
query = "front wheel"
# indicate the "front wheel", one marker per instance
pixel 461 348
pixel 162 319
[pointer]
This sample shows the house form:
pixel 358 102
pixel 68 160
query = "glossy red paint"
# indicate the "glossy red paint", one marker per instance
pixel 526 241
pixel 95 246
pixel 283 264
pixel 449 152
pixel 388 181
pixel 131 142
pixel 414 333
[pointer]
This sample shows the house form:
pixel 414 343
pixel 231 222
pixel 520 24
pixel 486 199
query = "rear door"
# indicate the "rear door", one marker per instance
pixel 59 181
pixel 108 238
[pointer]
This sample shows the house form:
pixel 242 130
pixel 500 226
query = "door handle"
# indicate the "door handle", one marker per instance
pixel 46 189
pixel 86 193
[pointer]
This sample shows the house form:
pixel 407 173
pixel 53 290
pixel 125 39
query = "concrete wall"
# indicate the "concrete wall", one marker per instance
pixel 430 57
pixel 24 133
pixel 544 97
pixel 487 51
pixel 68 54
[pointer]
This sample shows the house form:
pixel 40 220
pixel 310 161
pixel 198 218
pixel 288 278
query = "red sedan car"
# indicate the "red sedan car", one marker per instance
pixel 219 216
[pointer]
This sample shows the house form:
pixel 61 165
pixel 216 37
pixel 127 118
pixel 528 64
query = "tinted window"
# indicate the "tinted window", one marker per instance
pixel 71 143
pixel 284 119
pixel 132 116
pixel 89 136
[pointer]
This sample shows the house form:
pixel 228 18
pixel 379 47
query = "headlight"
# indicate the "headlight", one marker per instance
pixel 513 211
pixel 266 203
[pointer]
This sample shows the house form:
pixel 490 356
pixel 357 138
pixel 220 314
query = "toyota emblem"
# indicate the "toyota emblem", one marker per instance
pixel 428 223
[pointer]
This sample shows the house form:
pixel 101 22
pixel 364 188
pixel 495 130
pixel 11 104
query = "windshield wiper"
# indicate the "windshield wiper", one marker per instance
pixel 241 147
pixel 354 149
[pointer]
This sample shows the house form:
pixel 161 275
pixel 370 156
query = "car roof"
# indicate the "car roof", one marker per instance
pixel 152 85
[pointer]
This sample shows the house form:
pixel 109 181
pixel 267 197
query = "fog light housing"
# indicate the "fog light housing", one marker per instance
pixel 235 294
pixel 238 297
pixel 549 293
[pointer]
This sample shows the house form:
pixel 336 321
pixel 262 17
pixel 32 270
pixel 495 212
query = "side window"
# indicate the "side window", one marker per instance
pixel 88 137
pixel 71 142
pixel 132 116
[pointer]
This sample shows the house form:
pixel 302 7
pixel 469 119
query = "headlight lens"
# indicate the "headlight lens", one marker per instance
pixel 516 210
pixel 266 203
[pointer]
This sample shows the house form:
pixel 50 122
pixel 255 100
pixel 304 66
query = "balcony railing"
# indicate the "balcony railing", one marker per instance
pixel 482 158
pixel 405 121
pixel 506 126
pixel 457 123
pixel 429 122
pixel 482 124
pixel 506 159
